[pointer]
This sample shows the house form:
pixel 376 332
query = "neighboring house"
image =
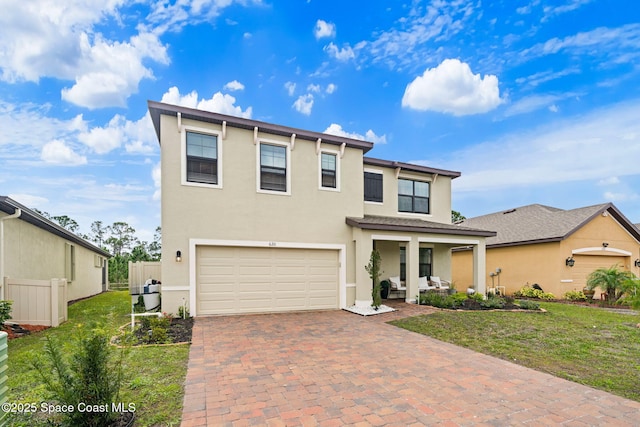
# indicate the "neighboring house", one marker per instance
pixel 555 248
pixel 36 249
pixel 258 217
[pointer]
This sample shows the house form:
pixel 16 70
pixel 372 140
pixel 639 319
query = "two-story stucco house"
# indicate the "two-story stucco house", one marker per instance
pixel 258 217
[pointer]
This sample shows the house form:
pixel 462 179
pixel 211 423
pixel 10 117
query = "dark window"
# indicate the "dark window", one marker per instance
pixel 328 170
pixel 424 262
pixel 372 187
pixel 403 263
pixel 273 167
pixel 413 196
pixel 202 158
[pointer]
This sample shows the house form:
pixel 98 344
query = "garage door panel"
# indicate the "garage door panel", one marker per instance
pixel 249 280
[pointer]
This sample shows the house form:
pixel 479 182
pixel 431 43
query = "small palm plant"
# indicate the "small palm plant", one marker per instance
pixel 373 268
pixel 611 280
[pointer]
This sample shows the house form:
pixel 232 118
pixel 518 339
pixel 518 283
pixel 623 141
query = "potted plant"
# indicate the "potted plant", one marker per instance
pixel 384 289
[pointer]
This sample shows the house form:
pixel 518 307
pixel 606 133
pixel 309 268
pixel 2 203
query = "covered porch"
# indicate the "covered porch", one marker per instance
pixel 411 248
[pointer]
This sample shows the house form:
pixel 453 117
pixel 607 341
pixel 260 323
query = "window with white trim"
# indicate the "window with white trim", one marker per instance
pixel 201 158
pixel 273 167
pixel 329 170
pixel 413 196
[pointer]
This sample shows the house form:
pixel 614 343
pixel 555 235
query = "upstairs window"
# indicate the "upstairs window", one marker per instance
pixel 328 164
pixel 413 196
pixel 373 187
pixel 273 167
pixel 202 158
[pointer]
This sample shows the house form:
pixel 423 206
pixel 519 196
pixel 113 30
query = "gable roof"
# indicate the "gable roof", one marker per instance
pixel 541 224
pixel 390 223
pixel 156 109
pixel 9 206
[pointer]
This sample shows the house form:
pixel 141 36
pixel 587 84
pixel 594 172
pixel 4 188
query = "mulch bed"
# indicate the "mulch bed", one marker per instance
pixel 179 332
pixel 16 331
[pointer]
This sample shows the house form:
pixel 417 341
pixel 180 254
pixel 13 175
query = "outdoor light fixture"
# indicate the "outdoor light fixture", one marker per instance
pixel 637 263
pixel 178 256
pixel 570 261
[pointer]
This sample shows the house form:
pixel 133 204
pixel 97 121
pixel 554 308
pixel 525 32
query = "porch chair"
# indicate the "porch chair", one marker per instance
pixel 423 284
pixel 396 286
pixel 439 283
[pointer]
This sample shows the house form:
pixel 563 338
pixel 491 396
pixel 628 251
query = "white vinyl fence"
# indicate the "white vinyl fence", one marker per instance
pixel 140 272
pixel 37 302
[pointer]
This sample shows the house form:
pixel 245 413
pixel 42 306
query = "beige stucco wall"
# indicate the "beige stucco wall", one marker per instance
pixel 439 203
pixel 237 211
pixel 33 253
pixel 544 263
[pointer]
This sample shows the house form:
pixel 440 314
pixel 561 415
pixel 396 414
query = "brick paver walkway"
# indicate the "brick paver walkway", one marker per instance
pixel 336 368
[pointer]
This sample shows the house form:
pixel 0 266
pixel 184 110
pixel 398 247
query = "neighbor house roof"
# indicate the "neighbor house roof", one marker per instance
pixel 388 223
pixel 9 206
pixel 541 224
pixel 410 167
pixel 156 109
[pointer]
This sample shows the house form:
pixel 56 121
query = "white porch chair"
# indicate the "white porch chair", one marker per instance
pixel 439 283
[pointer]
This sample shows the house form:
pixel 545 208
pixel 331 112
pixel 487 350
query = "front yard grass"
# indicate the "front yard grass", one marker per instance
pixel 587 345
pixel 153 376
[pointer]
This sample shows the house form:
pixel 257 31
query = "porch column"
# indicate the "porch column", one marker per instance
pixel 413 271
pixel 480 267
pixel 364 246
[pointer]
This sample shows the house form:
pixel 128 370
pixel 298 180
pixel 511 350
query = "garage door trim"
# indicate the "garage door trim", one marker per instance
pixel 600 249
pixel 194 243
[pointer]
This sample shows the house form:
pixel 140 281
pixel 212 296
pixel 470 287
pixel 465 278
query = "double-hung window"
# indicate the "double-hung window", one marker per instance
pixel 273 167
pixel 373 187
pixel 329 170
pixel 413 196
pixel 202 158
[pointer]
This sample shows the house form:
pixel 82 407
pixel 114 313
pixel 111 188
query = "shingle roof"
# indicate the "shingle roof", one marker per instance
pixel 374 222
pixel 9 206
pixel 539 223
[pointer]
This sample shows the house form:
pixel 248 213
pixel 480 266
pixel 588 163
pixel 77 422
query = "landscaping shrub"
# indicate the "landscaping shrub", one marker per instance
pixel 575 296
pixel 90 378
pixel 528 305
pixel 529 292
pixel 477 297
pixel 5 311
pixel 183 312
pixel 153 330
pixel 492 303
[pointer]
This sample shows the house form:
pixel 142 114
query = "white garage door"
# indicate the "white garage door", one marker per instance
pixel 257 280
pixel 586 264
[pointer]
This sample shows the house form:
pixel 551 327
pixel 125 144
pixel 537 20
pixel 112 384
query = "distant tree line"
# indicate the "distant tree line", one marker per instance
pixel 119 239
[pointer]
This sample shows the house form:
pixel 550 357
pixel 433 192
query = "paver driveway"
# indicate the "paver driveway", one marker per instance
pixel 336 368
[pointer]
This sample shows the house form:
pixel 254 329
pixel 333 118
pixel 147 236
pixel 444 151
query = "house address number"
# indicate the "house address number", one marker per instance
pixel 272 244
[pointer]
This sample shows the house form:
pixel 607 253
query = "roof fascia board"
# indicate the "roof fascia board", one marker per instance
pixel 28 215
pixel 415 229
pixel 156 109
pixel 410 167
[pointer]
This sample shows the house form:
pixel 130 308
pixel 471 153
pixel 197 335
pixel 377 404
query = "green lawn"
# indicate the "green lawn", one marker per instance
pixel 153 376
pixel 587 345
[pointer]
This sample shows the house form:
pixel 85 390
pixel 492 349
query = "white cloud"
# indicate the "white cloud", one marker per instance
pixel 545 76
pixel 611 180
pixel 29 200
pixel 156 175
pixel 452 88
pixel 603 143
pixel 218 103
pixel 233 86
pixel 41 38
pixel 304 104
pixel 290 87
pixel 370 135
pixel 324 29
pixel 344 54
pixel 313 88
pixel 331 88
pixel 58 153
pixel 534 103
pixel 620 197
pixel 105 139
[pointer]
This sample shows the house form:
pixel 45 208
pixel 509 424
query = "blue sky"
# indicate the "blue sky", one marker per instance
pixel 533 101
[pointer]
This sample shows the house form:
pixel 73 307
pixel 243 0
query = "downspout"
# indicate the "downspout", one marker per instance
pixel 15 214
